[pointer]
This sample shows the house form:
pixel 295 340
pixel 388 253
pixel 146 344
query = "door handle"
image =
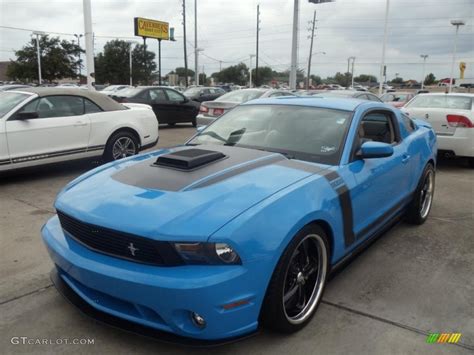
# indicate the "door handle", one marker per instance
pixel 405 158
pixel 80 124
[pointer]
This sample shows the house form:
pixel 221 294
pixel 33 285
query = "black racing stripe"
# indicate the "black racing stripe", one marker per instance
pixel 301 165
pixel 344 196
pixel 35 157
pixel 237 171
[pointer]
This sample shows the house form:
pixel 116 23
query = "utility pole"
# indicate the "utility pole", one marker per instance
pixel 78 36
pixel 311 50
pixel 256 56
pixel 38 54
pixel 159 61
pixel 352 72
pixel 220 65
pixel 456 23
pixel 424 56
pixel 294 46
pixel 184 43
pixel 385 33
pixel 250 70
pixel 90 72
pixel 196 70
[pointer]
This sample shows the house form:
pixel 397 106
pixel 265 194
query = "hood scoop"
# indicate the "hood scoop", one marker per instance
pixel 188 159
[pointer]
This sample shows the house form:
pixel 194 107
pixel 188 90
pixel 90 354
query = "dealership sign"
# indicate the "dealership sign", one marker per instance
pixel 151 29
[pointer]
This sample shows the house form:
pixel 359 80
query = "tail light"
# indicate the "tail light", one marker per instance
pixel 203 109
pixel 459 121
pixel 218 111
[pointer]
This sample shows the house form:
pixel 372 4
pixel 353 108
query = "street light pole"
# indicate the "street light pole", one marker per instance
pixel 130 59
pixel 196 71
pixel 352 72
pixel 294 46
pixel 90 72
pixel 456 23
pixel 385 33
pixel 250 70
pixel 424 56
pixel 38 54
pixel 78 36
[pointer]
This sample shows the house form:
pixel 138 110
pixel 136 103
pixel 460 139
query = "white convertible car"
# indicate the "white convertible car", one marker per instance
pixel 46 125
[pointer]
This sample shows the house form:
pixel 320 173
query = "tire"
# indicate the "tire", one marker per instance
pixel 194 122
pixel 122 138
pixel 470 162
pixel 420 206
pixel 289 280
pixel 172 124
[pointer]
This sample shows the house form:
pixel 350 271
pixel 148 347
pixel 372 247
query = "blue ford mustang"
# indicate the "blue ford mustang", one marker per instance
pixel 242 225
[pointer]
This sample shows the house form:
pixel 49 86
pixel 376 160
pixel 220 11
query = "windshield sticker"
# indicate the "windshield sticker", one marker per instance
pixel 326 149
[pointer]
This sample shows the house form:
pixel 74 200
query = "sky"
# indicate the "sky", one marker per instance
pixel 227 32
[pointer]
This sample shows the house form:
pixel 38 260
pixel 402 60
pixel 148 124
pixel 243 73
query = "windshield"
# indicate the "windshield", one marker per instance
pixel 300 132
pixel 129 92
pixel 192 91
pixel 8 100
pixel 112 88
pixel 240 96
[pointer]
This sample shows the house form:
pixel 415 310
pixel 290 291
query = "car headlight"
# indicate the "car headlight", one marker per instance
pixel 207 253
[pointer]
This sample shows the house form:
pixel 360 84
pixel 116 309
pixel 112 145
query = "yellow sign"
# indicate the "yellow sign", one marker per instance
pixel 462 68
pixel 151 28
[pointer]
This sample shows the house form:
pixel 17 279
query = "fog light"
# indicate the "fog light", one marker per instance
pixel 198 320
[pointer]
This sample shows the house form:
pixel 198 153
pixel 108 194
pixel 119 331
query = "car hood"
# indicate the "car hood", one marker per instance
pixel 165 203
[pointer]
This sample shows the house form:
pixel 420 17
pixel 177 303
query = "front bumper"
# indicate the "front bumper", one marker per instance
pixel 161 298
pixel 461 143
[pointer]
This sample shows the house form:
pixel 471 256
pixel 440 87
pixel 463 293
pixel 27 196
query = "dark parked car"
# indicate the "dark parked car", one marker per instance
pixel 170 106
pixel 202 93
pixel 210 110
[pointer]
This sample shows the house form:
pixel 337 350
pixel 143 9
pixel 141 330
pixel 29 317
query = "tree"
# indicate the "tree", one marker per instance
pixel 112 65
pixel 236 74
pixel 316 80
pixel 342 79
pixel 365 78
pixel 59 59
pixel 265 74
pixel 181 72
pixel 430 79
pixel 397 80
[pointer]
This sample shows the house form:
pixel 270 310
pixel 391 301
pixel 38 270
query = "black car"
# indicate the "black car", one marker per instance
pixel 169 105
pixel 361 95
pixel 202 93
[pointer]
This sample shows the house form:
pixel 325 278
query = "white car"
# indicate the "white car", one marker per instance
pixel 47 125
pixel 452 118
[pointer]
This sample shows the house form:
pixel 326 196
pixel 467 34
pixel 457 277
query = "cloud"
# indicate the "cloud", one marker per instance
pixel 227 28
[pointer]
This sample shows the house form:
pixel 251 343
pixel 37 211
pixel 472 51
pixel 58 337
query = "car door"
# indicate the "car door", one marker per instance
pixel 159 102
pixel 380 186
pixel 181 112
pixel 61 128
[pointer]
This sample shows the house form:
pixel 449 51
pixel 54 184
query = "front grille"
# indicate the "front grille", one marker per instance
pixel 119 244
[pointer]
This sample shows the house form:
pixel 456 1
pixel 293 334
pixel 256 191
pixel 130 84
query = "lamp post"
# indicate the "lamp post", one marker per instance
pixel 352 70
pixel 424 56
pixel 196 74
pixel 78 36
pixel 456 23
pixel 383 69
pixel 131 43
pixel 250 70
pixel 38 54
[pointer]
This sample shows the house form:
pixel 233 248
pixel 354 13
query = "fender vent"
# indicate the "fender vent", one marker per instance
pixel 188 159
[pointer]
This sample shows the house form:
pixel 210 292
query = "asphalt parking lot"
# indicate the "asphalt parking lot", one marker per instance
pixel 411 282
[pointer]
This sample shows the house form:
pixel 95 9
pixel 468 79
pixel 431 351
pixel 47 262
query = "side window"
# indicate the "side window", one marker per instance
pixel 157 95
pixel 60 106
pixel 31 106
pixel 90 107
pixel 378 127
pixel 373 97
pixel 276 94
pixel 206 91
pixel 174 96
pixel 408 123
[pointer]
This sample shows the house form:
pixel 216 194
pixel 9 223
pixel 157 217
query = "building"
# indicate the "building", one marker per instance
pixel 3 71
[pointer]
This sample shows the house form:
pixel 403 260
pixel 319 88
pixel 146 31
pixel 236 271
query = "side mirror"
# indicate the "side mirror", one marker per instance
pixel 370 150
pixel 26 115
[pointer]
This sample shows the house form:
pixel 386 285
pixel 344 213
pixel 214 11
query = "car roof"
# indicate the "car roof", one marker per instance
pixel 103 101
pixel 345 104
pixel 448 94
